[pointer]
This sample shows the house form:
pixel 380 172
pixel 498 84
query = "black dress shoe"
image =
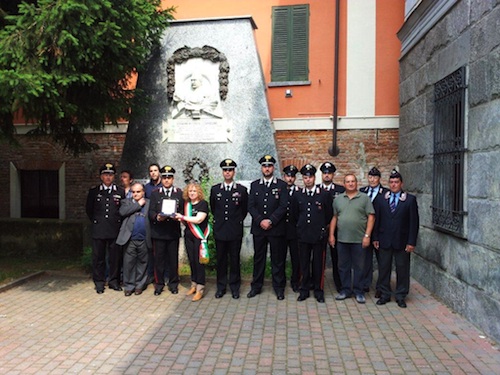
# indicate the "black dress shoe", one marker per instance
pixel 138 291
pixel 236 295
pixel 280 296
pixel 158 292
pixel 219 294
pixel 383 301
pixel 378 294
pixel 174 291
pixel 302 297
pixel 320 299
pixel 128 293
pixel 99 291
pixel 295 288
pixel 401 303
pixel 116 288
pixel 252 293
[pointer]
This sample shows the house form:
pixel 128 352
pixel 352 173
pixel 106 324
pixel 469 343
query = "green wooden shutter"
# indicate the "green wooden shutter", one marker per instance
pixel 290 43
pixel 299 51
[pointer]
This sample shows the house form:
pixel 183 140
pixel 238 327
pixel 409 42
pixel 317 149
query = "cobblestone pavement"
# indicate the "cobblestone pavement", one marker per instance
pixel 57 324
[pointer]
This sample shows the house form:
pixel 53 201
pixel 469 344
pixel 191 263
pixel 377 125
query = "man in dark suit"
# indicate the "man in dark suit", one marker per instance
pixel 166 231
pixel 289 176
pixel 135 236
pixel 395 237
pixel 327 172
pixel 229 206
pixel 373 190
pixel 312 210
pixel 267 204
pixel 103 203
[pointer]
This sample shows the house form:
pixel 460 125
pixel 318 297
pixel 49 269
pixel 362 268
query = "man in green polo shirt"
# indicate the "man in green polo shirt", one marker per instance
pixel 353 216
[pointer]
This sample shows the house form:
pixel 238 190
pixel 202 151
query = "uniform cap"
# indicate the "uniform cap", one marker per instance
pixel 267 160
pixel 308 170
pixel 167 170
pixel 396 174
pixel 374 172
pixel 290 170
pixel 327 167
pixel 228 164
pixel 107 168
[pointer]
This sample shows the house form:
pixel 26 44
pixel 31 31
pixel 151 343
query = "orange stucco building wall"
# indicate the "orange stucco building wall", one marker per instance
pixel 315 99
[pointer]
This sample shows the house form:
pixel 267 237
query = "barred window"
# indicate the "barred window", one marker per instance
pixel 290 43
pixel 449 153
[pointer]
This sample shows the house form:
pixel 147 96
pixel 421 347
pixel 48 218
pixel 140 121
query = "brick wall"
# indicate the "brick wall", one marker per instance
pixel 81 172
pixel 359 150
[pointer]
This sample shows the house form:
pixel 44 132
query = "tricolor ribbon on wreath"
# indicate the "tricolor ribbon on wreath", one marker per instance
pixel 199 234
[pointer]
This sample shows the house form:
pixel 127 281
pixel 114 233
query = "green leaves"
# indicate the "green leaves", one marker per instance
pixel 65 63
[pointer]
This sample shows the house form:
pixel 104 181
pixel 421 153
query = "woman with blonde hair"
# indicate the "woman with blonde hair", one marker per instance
pixel 195 236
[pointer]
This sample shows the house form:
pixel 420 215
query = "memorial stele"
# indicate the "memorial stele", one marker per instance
pixel 207 103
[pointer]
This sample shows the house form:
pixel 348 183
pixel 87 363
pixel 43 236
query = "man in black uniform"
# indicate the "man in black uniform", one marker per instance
pixel 327 172
pixel 229 205
pixel 166 231
pixel 373 190
pixel 102 207
pixel 312 208
pixel 289 176
pixel 267 204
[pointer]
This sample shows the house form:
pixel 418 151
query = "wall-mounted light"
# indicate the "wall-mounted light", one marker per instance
pixel 288 93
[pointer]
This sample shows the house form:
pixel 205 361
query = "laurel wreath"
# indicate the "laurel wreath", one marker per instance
pixel 188 171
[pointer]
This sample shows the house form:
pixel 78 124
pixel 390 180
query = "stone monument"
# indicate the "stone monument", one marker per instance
pixel 208 102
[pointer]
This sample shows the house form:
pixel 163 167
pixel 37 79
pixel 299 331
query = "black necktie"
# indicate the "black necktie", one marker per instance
pixel 310 193
pixel 168 193
pixel 370 194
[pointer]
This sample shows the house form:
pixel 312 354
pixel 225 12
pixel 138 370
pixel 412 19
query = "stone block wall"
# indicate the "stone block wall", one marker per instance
pixel 464 272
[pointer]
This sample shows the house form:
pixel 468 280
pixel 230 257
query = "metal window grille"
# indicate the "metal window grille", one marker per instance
pixel 449 153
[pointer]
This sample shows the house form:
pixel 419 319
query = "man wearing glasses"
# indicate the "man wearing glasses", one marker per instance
pixel 166 231
pixel 135 236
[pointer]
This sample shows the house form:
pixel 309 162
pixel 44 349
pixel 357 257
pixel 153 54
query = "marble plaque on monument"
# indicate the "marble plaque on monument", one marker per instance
pixel 203 130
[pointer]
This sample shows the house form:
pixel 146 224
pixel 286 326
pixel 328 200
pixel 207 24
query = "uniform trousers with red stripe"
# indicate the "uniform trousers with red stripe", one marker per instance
pixel 318 252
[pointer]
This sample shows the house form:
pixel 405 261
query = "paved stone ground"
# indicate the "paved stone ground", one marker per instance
pixel 57 324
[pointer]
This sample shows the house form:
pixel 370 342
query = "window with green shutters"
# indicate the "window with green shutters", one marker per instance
pixel 290 47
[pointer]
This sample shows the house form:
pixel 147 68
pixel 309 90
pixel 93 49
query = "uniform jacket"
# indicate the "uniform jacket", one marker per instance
pixel 268 203
pixel 168 229
pixel 128 209
pixel 229 209
pixel 399 228
pixel 381 191
pixel 102 210
pixel 312 214
pixel 291 223
pixel 333 189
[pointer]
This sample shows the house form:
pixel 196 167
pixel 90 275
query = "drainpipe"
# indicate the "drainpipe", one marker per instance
pixel 334 150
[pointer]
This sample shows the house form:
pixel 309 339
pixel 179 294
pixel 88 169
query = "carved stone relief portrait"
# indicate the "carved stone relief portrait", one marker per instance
pixel 197 83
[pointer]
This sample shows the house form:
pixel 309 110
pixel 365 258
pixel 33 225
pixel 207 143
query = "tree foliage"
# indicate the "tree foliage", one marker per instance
pixel 66 64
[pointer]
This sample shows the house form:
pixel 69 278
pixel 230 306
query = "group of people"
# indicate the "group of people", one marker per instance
pixel 145 221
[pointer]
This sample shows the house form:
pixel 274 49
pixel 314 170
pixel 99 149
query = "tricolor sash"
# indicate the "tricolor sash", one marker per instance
pixel 198 233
